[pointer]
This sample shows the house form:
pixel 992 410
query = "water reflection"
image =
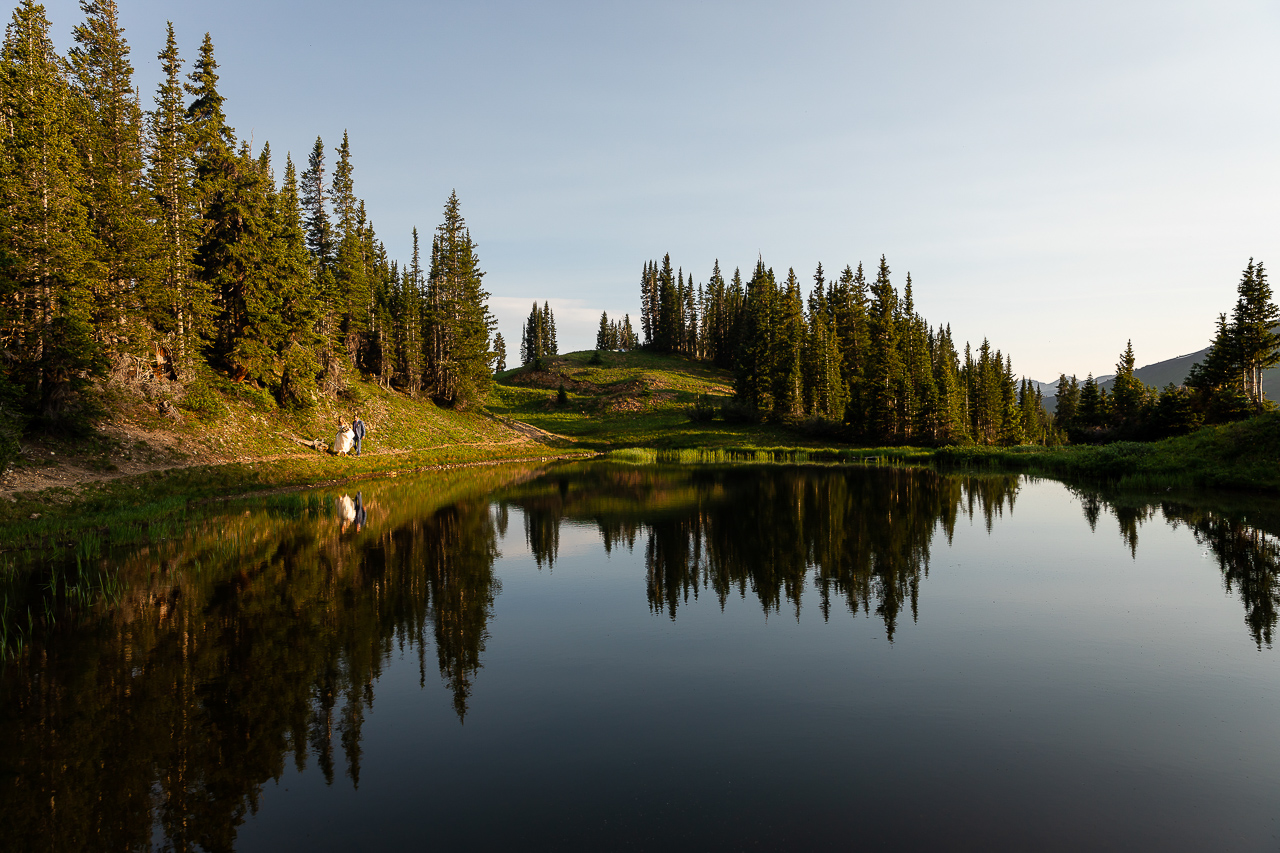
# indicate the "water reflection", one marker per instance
pixel 866 535
pixel 1241 533
pixel 246 645
pixel 254 642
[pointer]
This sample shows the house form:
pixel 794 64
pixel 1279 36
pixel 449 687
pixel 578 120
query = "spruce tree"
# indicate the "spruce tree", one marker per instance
pixel 499 353
pixel 181 307
pixel 121 211
pixel 1126 390
pixel 787 370
pixel 550 347
pixel 459 366
pixel 1067 402
pixel 848 304
pixel 603 336
pixel 884 368
pixel 350 264
pixel 953 418
pixel 667 316
pixel 629 339
pixel 1091 410
pixel 290 275
pixel 46 239
pixel 754 385
pixel 1254 320
pixel 316 213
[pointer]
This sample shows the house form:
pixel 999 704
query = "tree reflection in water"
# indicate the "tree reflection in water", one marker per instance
pixel 256 639
pixel 866 533
pixel 249 641
pixel 1242 534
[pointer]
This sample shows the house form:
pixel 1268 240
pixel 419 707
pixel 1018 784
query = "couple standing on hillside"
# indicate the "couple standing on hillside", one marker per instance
pixel 349 436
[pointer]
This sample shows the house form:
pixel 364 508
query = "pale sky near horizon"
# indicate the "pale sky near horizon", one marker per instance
pixel 1057 177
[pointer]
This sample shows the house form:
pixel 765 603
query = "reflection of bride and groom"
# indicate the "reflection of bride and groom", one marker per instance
pixel 352 511
pixel 349 436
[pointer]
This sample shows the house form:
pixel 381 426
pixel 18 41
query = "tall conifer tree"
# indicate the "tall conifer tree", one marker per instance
pixel 45 237
pixel 121 211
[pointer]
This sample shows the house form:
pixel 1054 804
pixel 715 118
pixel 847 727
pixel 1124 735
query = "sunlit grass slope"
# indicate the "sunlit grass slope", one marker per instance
pixel 631 399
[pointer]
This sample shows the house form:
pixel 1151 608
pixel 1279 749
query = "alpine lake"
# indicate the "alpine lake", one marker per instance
pixel 602 656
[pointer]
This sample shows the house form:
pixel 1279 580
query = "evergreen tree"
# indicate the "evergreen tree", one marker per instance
pixel 180 309
pixel 121 211
pixel 1254 320
pixel 1092 409
pixel 667 317
pixel 408 315
pixel 351 259
pixel 46 243
pixel 629 339
pixel 604 336
pixel 787 375
pixel 1127 391
pixel 1010 415
pixel 499 353
pixel 649 302
pixel 754 385
pixel 538 342
pixel 953 417
pixel 884 368
pixel 1068 401
pixel 848 305
pixel 316 213
pixel 459 364
pixel 290 276
pixel 549 345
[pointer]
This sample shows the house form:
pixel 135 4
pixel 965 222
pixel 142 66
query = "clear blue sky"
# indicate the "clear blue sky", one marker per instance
pixel 1056 177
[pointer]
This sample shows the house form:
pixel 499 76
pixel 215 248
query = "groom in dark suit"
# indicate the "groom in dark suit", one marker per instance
pixel 358 429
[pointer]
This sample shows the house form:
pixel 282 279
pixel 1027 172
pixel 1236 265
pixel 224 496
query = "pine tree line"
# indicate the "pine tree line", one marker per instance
pixel 158 235
pixel 616 334
pixel 539 339
pixel 853 354
pixel 1225 386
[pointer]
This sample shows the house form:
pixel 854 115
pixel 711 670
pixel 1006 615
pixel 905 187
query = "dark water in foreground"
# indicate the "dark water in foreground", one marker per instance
pixel 612 657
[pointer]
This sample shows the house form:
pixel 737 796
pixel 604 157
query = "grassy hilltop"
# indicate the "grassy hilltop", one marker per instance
pixel 630 399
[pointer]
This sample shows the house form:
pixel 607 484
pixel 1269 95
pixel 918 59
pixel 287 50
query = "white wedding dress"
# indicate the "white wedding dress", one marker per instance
pixel 345 441
pixel 346 509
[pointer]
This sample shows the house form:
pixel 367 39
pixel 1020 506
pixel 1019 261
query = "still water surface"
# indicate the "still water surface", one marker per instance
pixel 599 656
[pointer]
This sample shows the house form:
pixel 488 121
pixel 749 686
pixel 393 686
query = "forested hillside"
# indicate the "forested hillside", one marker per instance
pixel 149 237
pixel 856 354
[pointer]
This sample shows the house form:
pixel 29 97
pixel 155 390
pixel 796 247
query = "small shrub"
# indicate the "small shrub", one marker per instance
pixel 260 398
pixel 703 410
pixel 203 402
pixel 595 359
pixel 821 427
pixel 562 396
pixel 352 393
pixel 736 413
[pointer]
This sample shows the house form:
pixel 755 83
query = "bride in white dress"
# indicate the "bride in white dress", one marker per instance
pixel 345 439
